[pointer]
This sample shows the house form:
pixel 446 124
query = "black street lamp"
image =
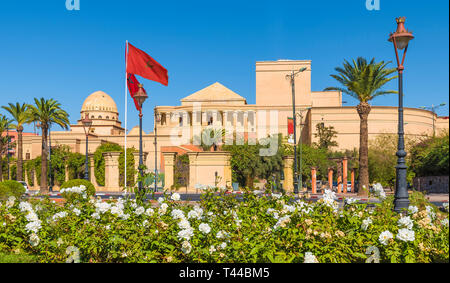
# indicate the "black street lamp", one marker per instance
pixel 87 123
pixel 400 38
pixel 140 97
pixel 292 78
pixel 301 147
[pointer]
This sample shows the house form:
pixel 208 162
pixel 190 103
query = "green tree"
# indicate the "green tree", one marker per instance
pixel 430 156
pixel 4 125
pixel 363 81
pixel 325 136
pixel 47 112
pixel 247 162
pixel 20 116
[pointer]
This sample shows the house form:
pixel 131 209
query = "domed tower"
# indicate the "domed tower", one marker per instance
pixel 102 110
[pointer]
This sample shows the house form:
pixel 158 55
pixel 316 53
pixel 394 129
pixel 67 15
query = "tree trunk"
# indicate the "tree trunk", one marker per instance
pixel 363 109
pixel 44 186
pixel 250 180
pixel 19 154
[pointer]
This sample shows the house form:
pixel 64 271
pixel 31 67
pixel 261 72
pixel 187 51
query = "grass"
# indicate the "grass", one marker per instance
pixel 17 258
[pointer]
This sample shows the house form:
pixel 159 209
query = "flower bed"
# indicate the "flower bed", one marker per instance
pixel 222 228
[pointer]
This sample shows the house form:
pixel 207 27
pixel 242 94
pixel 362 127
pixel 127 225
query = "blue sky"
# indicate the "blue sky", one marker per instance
pixel 49 51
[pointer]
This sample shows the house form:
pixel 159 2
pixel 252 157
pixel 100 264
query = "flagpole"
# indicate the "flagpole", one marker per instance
pixel 126 114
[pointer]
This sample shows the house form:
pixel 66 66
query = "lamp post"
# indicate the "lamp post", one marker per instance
pixel 400 38
pixel 157 120
pixel 433 108
pixel 301 147
pixel 50 187
pixel 87 123
pixel 140 97
pixel 7 148
pixel 292 78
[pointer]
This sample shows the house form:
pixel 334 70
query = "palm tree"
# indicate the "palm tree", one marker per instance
pixel 4 124
pixel 21 116
pixel 47 112
pixel 363 81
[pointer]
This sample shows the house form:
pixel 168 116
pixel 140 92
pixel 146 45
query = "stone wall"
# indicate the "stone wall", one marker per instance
pixel 431 184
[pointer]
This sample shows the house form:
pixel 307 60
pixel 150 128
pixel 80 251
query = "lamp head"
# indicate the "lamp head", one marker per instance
pixel 140 95
pixel 401 36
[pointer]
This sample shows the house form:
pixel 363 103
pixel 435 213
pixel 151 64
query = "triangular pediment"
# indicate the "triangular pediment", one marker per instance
pixel 215 93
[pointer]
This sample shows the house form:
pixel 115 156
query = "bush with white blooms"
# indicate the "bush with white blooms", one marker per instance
pixel 222 228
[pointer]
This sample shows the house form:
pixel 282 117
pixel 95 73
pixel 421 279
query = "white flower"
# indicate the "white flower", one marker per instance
pixel 149 211
pixel 31 216
pixel 186 234
pixel 107 227
pixel 184 224
pixel 310 258
pixel 221 234
pixel 365 224
pixel 34 240
pixel 177 214
pixel 58 215
pixel 406 235
pixel 289 208
pixel 350 200
pixel 10 202
pixel 430 212
pixel 33 226
pixel 385 237
pixel 25 206
pixel 277 196
pixel 223 245
pixel 405 221
pixel 175 197
pixel 160 200
pixel 76 211
pixel 413 209
pixel 186 247
pixel 445 205
pixel 145 223
pixel 95 215
pixel 193 214
pixel 124 216
pixel 140 210
pixel 102 207
pixel 204 228
pixel 444 222
pixel 163 208
pixel 379 191
pixel 212 249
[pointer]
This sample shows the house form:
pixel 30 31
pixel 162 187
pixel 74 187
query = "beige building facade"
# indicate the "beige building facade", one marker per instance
pixel 217 106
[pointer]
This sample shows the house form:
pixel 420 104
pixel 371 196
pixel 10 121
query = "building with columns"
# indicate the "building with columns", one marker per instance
pixel 217 106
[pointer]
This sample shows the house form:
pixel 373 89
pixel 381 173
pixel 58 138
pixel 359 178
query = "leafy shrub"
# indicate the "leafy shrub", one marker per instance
pixel 90 189
pixel 11 188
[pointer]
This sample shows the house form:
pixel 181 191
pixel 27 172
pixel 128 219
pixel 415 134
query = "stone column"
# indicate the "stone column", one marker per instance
pixel 339 178
pixel 92 171
pixel 169 166
pixel 344 172
pixel 330 178
pixel 288 184
pixel 35 180
pixel 313 180
pixel 112 171
pixel 353 179
pixel 66 177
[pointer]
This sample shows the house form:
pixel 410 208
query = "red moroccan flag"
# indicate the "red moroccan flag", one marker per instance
pixel 290 126
pixel 133 87
pixel 140 63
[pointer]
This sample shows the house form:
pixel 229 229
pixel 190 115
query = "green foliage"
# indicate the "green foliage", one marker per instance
pixel 11 188
pixel 430 156
pixel 247 162
pixel 90 189
pixel 17 258
pixel 99 160
pixel 253 229
pixel 325 136
pixel 131 172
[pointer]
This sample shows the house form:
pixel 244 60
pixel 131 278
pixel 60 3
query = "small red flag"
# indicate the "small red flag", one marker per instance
pixel 290 126
pixel 140 63
pixel 133 87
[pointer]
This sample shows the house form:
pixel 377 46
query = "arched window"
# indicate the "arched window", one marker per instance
pixel 100 117
pixel 107 117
